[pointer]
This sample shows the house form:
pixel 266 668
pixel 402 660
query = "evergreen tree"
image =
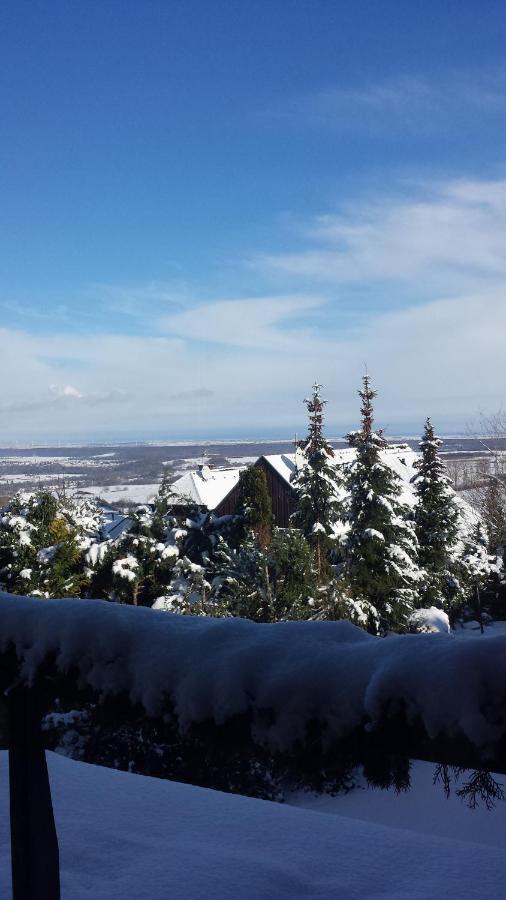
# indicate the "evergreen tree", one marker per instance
pixel 379 566
pixel 293 582
pixel 255 504
pixel 245 585
pixel 136 566
pixel 436 523
pixel 269 585
pixel 493 509
pixel 316 483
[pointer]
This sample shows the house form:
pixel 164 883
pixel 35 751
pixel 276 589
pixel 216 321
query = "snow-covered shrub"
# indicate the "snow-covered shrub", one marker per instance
pixel 429 621
pixel 45 539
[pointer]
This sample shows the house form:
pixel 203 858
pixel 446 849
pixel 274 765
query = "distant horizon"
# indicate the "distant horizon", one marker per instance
pixel 215 441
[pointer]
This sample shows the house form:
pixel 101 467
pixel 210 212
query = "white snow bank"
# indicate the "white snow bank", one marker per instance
pixel 215 668
pixel 128 837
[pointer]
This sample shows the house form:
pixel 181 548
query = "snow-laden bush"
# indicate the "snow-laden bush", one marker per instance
pixel 429 621
pixel 45 539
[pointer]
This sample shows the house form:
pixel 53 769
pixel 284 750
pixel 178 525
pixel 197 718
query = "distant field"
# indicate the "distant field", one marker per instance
pixel 133 471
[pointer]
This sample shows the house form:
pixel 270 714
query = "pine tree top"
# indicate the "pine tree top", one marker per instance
pixel 429 438
pixel 315 442
pixel 367 395
pixel 366 437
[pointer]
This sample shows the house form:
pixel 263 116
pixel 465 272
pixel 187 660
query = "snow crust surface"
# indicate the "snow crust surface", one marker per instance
pixel 423 808
pixel 128 837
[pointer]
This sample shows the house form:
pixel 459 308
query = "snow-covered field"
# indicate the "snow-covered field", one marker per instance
pixel 65 462
pixel 128 837
pixel 121 493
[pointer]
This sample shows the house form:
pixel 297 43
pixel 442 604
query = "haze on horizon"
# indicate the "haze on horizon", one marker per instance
pixel 207 206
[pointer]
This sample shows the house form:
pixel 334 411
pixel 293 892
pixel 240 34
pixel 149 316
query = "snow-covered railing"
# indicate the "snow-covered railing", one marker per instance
pixel 281 679
pixel 212 669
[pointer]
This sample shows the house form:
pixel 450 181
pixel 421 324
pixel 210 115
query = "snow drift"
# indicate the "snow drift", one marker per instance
pixel 127 837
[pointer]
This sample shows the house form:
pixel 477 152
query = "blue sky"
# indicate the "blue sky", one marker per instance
pixel 206 205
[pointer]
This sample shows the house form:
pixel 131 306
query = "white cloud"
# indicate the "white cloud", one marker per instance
pixel 444 357
pixel 258 322
pixel 453 238
pixel 244 365
pixel 66 390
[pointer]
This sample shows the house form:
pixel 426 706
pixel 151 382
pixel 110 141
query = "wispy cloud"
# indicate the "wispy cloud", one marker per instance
pixel 189 396
pixel 66 398
pixel 142 299
pixel 256 322
pixel 444 357
pixel 244 364
pixel 413 105
pixel 443 237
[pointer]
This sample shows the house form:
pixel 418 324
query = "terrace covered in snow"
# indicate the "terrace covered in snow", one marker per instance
pixel 128 837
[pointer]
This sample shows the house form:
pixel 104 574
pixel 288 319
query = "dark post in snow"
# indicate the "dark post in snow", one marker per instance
pixel 34 843
pixel 478 601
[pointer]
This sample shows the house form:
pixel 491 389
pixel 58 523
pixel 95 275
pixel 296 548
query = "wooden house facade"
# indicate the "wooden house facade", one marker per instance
pixel 279 487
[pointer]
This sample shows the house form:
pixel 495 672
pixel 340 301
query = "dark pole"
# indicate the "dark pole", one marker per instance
pixel 478 598
pixel 34 843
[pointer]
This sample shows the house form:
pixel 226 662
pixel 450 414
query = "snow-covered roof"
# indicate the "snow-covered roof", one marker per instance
pixel 206 487
pixel 283 463
pixel 400 458
pixel 112 528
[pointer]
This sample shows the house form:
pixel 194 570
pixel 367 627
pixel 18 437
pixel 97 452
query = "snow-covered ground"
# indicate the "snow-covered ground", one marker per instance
pixel 122 493
pixel 423 808
pixel 64 462
pixel 128 837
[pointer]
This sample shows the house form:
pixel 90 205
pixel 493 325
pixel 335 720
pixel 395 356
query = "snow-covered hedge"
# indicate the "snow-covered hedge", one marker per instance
pixel 284 675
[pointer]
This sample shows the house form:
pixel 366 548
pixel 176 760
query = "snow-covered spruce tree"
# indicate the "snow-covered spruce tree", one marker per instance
pixel 316 483
pixel 436 524
pixel 479 575
pixel 493 509
pixel 380 552
pixel 293 579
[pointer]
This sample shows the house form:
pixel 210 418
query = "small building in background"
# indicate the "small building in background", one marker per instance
pixel 204 488
pixel 217 490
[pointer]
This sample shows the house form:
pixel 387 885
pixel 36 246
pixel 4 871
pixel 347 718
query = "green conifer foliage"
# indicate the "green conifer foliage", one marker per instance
pixel 255 504
pixel 44 538
pixel 269 585
pixel 316 483
pixel 380 567
pixel 436 523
